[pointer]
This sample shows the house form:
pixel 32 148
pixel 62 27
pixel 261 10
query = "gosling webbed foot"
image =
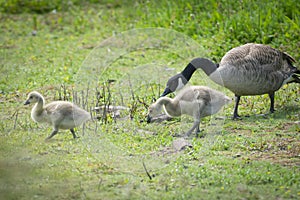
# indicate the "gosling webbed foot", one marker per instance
pixel 200 134
pixel 182 135
pixel 187 134
pixel 177 135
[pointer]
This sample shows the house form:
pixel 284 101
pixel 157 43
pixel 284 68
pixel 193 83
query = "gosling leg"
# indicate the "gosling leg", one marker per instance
pixel 198 130
pixel 235 112
pixel 73 133
pixel 54 132
pixel 195 126
pixel 272 95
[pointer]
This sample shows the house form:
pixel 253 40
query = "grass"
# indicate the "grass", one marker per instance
pixel 117 52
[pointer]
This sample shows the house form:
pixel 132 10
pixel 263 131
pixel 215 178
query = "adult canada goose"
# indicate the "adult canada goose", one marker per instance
pixel 59 114
pixel 196 101
pixel 250 69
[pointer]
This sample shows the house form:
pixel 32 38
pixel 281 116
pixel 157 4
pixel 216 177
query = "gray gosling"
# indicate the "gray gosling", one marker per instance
pixel 250 69
pixel 59 114
pixel 196 101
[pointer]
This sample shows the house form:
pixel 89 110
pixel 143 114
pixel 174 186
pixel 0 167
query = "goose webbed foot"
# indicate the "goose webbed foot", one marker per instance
pixel 236 117
pixel 54 132
pixel 272 110
pixel 73 133
pixel 76 137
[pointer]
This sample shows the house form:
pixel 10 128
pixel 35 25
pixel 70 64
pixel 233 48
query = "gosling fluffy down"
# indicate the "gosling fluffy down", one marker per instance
pixel 59 114
pixel 196 101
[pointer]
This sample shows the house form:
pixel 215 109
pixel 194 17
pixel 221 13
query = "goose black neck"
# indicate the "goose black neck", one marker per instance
pixel 188 71
pixel 205 64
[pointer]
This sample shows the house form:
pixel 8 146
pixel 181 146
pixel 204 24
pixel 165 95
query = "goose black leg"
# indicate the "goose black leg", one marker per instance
pixel 235 112
pixel 73 133
pixel 54 132
pixel 195 127
pixel 272 95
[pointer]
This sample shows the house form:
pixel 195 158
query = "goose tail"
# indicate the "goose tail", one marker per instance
pixel 296 78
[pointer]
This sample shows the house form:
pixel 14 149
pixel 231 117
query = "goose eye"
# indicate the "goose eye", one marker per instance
pixel 31 97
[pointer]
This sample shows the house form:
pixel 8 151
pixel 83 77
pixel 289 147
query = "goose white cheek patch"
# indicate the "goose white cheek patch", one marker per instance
pixel 180 84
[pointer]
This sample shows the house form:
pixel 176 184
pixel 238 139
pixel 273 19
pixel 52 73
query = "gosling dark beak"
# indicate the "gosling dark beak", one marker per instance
pixel 166 92
pixel 148 119
pixel 26 102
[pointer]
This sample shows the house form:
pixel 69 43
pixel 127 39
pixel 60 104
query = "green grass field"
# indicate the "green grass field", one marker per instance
pixel 122 53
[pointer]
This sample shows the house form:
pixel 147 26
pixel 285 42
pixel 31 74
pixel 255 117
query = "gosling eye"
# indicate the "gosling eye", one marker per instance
pixel 31 97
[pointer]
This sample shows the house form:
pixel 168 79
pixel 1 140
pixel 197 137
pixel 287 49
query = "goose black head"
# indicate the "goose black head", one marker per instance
pixel 174 83
pixel 179 80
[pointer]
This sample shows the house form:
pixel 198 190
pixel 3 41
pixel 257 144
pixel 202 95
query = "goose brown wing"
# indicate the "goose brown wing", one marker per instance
pixel 290 60
pixel 260 58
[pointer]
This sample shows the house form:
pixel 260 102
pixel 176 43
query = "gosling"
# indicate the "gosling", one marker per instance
pixel 59 114
pixel 196 101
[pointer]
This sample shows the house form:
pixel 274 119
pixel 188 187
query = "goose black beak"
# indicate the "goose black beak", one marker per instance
pixel 26 102
pixel 148 119
pixel 166 92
